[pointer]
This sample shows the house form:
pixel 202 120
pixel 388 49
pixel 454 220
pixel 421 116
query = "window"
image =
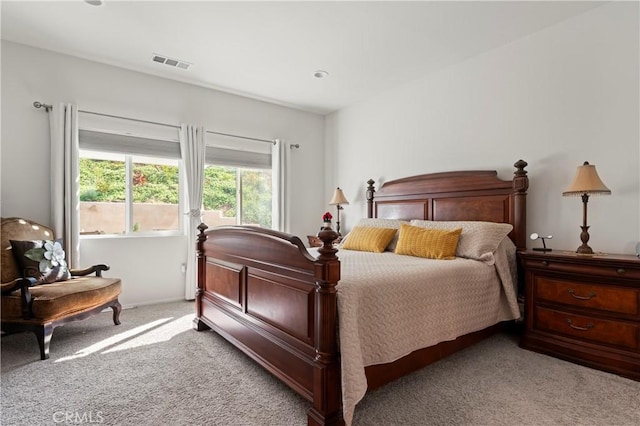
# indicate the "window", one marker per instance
pixel 238 183
pixel 237 196
pixel 125 194
pixel 129 184
pixel 130 179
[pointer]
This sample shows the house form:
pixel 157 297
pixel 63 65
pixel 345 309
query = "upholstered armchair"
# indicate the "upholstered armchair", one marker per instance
pixel 29 304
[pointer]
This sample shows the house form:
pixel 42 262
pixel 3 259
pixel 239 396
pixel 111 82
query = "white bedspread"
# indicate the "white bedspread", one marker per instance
pixel 390 305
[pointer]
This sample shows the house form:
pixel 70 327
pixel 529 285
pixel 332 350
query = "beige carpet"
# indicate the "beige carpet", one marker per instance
pixel 155 370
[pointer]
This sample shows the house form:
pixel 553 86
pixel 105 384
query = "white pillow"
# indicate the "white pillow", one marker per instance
pixel 381 223
pixel 479 240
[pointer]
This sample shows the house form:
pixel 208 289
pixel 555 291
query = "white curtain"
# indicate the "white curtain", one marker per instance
pixel 63 121
pixel 280 170
pixel 192 148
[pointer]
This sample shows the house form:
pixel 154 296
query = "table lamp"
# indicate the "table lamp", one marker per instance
pixel 338 200
pixel 585 183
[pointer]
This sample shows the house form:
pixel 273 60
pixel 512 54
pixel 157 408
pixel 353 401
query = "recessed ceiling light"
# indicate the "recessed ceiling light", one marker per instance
pixel 94 2
pixel 320 74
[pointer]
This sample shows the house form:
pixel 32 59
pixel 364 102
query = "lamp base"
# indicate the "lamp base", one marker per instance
pixel 584 237
pixel 584 249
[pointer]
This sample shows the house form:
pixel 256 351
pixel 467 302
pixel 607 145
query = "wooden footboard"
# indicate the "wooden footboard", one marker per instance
pixel 263 291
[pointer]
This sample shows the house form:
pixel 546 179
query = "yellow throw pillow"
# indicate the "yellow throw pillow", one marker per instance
pixel 429 243
pixel 369 239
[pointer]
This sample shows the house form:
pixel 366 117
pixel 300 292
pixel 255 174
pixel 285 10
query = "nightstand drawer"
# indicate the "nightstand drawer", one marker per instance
pixel 609 332
pixel 594 269
pixel 594 296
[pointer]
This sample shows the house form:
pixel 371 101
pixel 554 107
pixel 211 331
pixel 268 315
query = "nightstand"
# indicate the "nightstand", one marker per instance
pixel 584 309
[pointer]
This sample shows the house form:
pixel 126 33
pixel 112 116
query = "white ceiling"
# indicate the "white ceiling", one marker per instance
pixel 270 50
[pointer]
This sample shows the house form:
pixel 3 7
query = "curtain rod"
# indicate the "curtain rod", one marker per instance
pixel 242 137
pixel 47 108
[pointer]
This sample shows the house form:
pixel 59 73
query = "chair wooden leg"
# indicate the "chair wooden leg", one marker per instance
pixel 117 308
pixel 43 334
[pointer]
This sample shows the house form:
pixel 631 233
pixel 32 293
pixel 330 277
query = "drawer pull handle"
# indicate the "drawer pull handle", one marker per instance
pixel 545 263
pixel 575 327
pixel 589 297
pixel 620 271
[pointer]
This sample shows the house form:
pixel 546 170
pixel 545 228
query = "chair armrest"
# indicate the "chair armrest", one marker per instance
pixel 25 295
pixel 90 270
pixel 19 283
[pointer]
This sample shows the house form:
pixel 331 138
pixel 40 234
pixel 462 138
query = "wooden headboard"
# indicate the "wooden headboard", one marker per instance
pixel 465 195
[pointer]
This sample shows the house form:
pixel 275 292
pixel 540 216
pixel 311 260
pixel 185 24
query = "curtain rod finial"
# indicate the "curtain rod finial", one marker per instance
pixel 39 105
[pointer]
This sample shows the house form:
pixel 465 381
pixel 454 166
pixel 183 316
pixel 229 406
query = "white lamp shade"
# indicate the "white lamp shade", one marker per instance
pixel 338 197
pixel 587 181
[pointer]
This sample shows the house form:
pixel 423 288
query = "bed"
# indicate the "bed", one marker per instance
pixel 264 292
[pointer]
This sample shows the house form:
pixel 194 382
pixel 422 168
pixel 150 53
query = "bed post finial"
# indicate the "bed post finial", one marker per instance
pixel 201 239
pixel 328 236
pixel 520 181
pixel 370 190
pixel 520 165
pixel 202 227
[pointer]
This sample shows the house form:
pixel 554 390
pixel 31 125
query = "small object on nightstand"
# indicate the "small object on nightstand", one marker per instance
pixel 535 236
pixel 638 249
pixel 314 241
pixel 326 218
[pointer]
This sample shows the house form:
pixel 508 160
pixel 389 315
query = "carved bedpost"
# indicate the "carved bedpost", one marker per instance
pixel 520 184
pixel 201 269
pixel 370 190
pixel 327 398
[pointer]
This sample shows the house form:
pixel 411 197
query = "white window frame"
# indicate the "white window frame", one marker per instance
pixel 129 205
pixel 239 169
pixel 224 151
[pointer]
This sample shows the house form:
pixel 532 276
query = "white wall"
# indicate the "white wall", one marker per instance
pixel 564 95
pixel 149 267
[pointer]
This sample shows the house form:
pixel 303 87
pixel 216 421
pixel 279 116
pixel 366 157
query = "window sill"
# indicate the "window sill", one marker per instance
pixel 158 234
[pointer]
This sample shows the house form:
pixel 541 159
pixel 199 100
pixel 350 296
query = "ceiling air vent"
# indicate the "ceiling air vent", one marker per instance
pixel 171 62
